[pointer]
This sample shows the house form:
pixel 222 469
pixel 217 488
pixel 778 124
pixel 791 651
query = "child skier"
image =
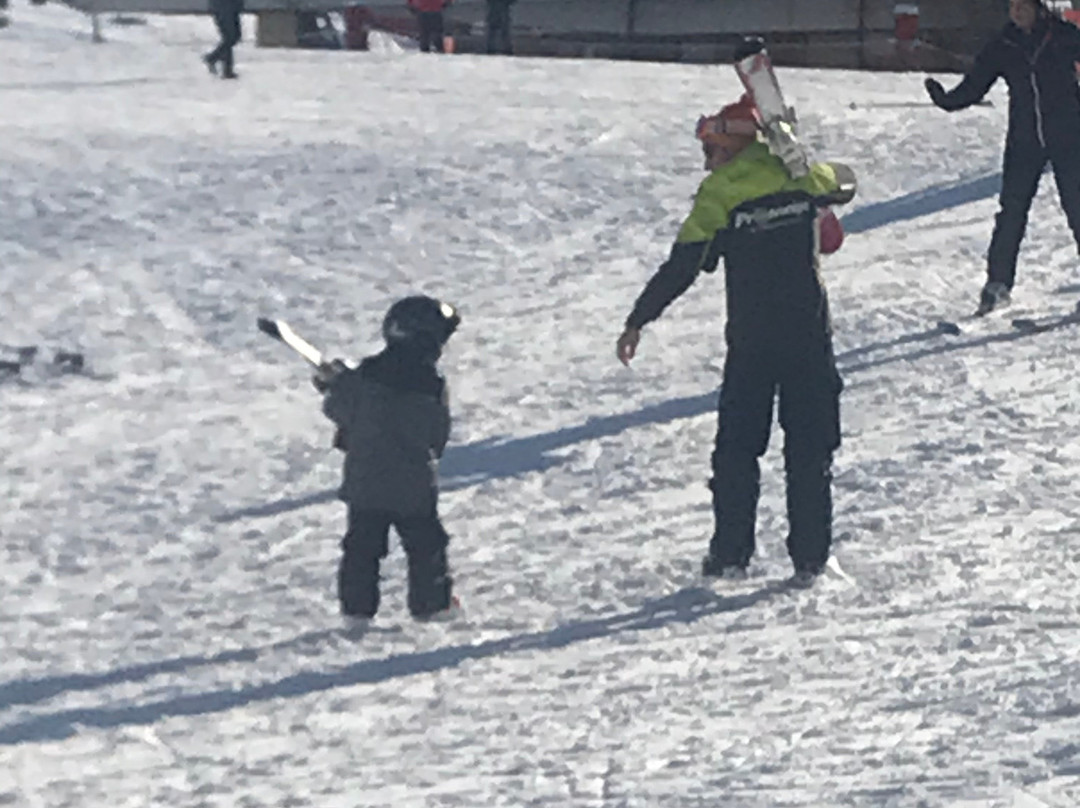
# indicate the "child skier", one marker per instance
pixel 769 228
pixel 393 421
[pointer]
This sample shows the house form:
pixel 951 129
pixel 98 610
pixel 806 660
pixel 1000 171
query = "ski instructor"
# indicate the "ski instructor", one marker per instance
pixel 1036 54
pixel 769 229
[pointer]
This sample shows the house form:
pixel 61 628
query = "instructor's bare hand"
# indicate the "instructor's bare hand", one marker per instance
pixel 626 347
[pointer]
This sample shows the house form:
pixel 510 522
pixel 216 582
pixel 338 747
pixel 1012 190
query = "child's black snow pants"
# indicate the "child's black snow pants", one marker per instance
pixel 366 543
pixel 804 376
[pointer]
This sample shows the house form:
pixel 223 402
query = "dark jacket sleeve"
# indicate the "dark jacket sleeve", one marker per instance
pixel 442 427
pixel 977 82
pixel 1068 35
pixel 339 402
pixel 675 276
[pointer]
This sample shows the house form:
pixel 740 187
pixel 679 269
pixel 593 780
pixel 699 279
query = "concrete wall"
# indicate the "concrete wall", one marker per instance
pixel 660 18
pixel 277 29
pixel 558 17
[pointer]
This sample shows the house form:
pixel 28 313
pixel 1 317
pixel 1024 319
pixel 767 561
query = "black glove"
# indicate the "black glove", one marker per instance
pixel 937 92
pixel 327 372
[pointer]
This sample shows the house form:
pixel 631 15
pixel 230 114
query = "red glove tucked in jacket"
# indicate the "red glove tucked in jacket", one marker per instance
pixel 831 231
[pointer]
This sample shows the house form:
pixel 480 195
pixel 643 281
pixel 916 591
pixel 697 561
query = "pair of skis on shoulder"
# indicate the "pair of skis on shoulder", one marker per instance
pixel 778 120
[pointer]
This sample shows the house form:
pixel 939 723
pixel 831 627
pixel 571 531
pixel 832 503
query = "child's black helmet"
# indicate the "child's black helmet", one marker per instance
pixel 421 321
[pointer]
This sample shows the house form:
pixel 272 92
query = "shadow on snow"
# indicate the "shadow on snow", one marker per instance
pixel 930 200
pixel 29 691
pixel 474 463
pixel 683 607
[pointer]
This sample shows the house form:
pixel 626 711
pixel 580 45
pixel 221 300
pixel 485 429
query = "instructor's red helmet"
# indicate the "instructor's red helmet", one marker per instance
pixel 716 129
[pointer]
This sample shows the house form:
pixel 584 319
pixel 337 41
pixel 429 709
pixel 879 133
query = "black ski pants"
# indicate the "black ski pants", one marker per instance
pixel 498 27
pixel 228 25
pixel 431 31
pixel 1020 181
pixel 366 543
pixel 805 380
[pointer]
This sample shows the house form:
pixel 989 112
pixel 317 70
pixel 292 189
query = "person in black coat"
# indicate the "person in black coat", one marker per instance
pixel 393 422
pixel 1036 54
pixel 498 27
pixel 227 19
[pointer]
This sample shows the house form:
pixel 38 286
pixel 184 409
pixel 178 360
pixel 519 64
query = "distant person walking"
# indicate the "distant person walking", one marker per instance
pixel 429 17
pixel 227 19
pixel 498 27
pixel 1036 54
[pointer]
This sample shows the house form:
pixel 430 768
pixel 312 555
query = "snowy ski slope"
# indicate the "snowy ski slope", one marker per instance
pixel 168 536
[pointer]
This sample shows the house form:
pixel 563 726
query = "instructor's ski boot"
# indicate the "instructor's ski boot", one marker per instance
pixel 355 625
pixel 804 578
pixel 714 568
pixel 993 296
pixel 453 610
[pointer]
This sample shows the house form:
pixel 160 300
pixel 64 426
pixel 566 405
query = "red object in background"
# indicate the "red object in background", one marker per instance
pixel 906 16
pixel 357 27
pixel 360 21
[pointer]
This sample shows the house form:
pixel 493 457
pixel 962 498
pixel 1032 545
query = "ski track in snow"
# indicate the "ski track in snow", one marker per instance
pixel 164 644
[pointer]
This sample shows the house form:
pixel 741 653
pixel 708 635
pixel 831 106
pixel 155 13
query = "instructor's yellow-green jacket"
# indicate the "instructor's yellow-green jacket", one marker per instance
pixel 752 213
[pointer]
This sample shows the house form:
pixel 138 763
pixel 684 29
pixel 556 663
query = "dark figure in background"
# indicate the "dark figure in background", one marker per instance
pixel 315 29
pixel 227 19
pixel 1036 54
pixel 393 421
pixel 498 27
pixel 769 229
pixel 429 18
